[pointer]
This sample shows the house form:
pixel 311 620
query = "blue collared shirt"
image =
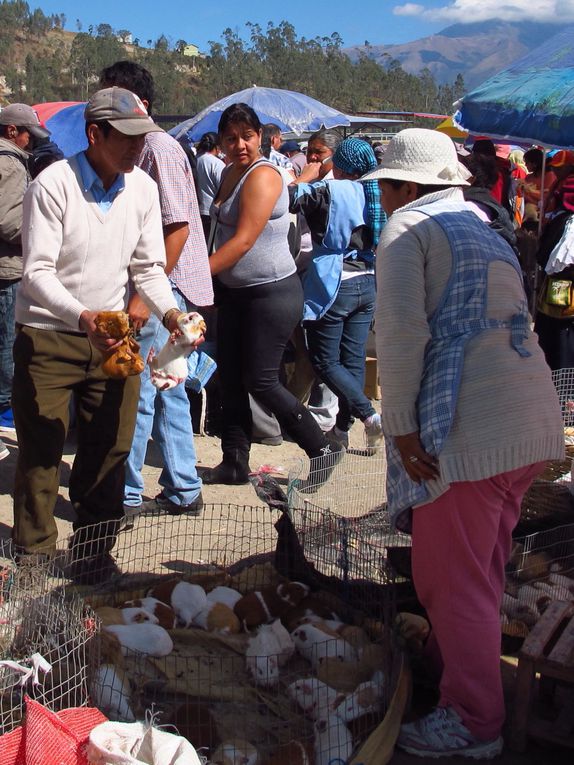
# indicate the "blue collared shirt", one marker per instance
pixel 93 183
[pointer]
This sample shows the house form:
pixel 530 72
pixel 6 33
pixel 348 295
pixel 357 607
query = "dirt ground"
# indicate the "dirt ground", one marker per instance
pixel 283 458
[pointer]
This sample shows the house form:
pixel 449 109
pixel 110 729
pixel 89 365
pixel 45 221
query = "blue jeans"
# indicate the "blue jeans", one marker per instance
pixel 337 347
pixel 7 335
pixel 165 416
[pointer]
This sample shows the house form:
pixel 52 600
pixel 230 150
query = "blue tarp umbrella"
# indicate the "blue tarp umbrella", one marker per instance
pixel 65 121
pixel 293 112
pixel 532 100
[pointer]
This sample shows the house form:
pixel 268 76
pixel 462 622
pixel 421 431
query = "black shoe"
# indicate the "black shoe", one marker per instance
pixel 94 570
pixel 161 504
pixel 321 467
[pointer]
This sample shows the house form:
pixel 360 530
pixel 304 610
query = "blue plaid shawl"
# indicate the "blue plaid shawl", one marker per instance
pixel 459 316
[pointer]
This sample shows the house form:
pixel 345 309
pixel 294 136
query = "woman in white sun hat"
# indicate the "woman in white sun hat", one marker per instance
pixel 470 415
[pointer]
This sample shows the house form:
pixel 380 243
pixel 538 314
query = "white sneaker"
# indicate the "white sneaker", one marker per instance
pixel 443 734
pixel 373 431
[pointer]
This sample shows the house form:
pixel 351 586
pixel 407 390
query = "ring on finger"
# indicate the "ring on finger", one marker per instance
pixel 413 459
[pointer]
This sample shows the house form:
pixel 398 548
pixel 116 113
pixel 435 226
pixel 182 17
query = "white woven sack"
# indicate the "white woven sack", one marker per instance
pixel 115 743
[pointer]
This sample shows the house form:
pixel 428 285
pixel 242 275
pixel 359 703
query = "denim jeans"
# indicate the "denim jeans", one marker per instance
pixel 7 334
pixel 337 347
pixel 165 416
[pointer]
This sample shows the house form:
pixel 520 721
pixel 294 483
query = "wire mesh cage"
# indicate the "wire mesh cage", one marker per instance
pixel 540 571
pixel 303 659
pixel 47 647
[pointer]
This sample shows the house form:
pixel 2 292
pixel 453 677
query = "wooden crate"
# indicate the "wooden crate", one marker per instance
pixel 549 651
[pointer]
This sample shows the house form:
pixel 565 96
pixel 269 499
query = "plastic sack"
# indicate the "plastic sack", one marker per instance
pixel 115 743
pixel 200 368
pixel 562 255
pixel 50 738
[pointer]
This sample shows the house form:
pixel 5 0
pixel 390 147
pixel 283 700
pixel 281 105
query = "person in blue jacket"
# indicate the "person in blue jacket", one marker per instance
pixel 345 218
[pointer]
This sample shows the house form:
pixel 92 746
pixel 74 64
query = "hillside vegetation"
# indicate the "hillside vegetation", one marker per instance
pixel 42 62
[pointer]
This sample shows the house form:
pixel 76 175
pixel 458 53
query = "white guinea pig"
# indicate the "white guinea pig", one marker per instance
pixel 262 653
pixel 185 598
pixel 333 741
pixel 314 697
pixel 112 692
pixel 149 639
pixel 315 645
pixel 365 698
pixel 225 595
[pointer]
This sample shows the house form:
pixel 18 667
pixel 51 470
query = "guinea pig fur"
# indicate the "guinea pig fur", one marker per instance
pixel 111 693
pixel 217 617
pixel 185 598
pixel 310 609
pixel 333 741
pixel 235 752
pixel 314 697
pixel 226 595
pixel 366 698
pixel 149 639
pixel 344 677
pixel 261 655
pixel 269 603
pixel 315 645
pixel 109 615
pixel 164 614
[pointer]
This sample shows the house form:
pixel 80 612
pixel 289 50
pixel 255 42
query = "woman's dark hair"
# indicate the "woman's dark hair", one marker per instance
pixel 483 170
pixel 534 157
pixel 207 142
pixel 239 114
pixel 266 136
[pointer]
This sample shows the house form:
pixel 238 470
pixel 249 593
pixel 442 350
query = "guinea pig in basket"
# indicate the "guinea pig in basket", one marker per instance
pixel 123 360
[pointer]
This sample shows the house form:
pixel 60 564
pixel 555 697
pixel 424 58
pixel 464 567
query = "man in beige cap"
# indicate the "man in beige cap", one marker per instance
pixel 19 128
pixel 91 223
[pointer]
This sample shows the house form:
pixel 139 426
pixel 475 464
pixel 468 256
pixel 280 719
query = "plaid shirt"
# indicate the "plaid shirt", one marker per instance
pixel 459 316
pixel 164 160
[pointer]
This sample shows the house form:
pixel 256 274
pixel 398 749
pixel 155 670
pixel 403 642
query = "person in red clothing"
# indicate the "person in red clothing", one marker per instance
pixel 485 151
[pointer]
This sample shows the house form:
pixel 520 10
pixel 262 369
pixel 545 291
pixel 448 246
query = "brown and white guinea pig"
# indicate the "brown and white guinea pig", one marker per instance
pixel 185 598
pixel 235 751
pixel 226 595
pixel 149 639
pixel 268 650
pixel 217 617
pixel 164 614
pixel 310 609
pixel 293 753
pixel 343 676
pixel 365 699
pixel 269 603
pixel 135 615
pixel 315 645
pixel 314 697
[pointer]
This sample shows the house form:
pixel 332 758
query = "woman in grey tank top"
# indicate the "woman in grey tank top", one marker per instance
pixel 260 302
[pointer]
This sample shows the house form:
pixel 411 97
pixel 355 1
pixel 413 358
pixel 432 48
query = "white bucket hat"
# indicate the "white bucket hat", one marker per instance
pixel 421 156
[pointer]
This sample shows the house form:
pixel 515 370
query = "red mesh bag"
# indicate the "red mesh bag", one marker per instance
pixel 50 738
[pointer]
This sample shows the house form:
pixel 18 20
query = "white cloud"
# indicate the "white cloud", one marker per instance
pixel 466 11
pixel 409 9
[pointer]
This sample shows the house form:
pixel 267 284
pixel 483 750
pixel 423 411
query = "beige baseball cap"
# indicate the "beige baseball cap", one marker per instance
pixel 22 115
pixel 122 109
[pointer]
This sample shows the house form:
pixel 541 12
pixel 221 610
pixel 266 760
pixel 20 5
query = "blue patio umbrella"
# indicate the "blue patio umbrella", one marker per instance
pixel 65 121
pixel 530 101
pixel 293 112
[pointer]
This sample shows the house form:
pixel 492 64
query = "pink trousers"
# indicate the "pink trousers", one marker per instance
pixel 460 545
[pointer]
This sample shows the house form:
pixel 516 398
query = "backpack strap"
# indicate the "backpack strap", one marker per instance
pixel 19 157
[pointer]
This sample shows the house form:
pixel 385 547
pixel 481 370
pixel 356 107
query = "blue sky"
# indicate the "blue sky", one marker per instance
pixel 379 21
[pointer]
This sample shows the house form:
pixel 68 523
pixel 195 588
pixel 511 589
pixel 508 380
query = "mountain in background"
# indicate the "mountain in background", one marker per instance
pixel 477 51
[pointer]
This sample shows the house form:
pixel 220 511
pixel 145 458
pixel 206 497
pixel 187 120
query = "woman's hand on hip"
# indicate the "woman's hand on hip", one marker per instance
pixel 419 465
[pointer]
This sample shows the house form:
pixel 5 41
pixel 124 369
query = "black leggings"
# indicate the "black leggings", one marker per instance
pixel 253 327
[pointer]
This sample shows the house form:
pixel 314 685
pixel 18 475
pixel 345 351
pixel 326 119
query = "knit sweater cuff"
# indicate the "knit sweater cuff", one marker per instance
pixel 399 421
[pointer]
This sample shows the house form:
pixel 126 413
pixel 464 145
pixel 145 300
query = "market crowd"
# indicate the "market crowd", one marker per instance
pixel 292 256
